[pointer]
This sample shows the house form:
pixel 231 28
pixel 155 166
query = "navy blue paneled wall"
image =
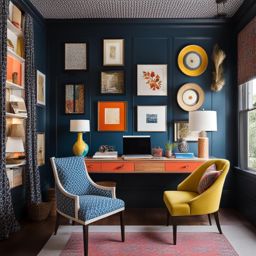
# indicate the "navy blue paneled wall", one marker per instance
pixel 146 42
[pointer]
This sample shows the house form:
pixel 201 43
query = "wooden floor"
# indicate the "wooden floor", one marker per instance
pixel 33 235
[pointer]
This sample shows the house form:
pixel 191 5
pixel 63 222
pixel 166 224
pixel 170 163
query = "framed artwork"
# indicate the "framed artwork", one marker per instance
pixel 181 130
pixel 151 118
pixel 113 52
pixel 112 116
pixel 112 82
pixel 74 98
pixel 152 80
pixel 40 148
pixel 75 56
pixel 40 91
pixel 190 97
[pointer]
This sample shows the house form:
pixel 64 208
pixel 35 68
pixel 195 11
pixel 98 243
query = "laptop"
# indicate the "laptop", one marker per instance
pixel 138 147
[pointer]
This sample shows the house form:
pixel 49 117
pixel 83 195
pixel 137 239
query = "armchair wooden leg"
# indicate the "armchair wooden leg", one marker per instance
pixel 216 216
pixel 209 218
pixel 57 223
pixel 85 235
pixel 174 230
pixel 122 226
pixel 167 217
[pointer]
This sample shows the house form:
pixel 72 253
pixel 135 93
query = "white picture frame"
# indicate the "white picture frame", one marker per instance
pixel 113 52
pixel 75 56
pixel 40 88
pixel 152 118
pixel 152 80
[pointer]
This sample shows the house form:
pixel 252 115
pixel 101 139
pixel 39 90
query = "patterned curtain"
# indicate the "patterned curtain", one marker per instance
pixel 8 223
pixel 33 191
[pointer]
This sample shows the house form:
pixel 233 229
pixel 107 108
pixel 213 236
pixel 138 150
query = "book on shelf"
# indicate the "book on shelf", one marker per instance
pixel 106 155
pixel 184 155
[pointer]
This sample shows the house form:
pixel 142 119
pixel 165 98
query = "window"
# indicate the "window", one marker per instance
pixel 247 125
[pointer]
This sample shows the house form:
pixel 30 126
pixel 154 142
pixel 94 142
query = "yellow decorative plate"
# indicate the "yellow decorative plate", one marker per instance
pixel 193 60
pixel 190 97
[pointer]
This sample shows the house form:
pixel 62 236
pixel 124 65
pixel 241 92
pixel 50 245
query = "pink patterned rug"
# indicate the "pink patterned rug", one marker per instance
pixel 150 244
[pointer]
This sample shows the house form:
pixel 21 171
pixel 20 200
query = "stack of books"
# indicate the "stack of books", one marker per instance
pixel 184 155
pixel 106 155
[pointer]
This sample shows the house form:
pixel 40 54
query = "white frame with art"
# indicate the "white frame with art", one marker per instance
pixel 187 135
pixel 75 56
pixel 151 118
pixel 152 80
pixel 40 88
pixel 113 52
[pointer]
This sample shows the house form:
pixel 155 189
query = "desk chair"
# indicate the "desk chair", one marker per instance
pixel 81 200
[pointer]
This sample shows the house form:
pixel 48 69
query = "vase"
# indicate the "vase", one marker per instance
pixel 168 153
pixel 183 146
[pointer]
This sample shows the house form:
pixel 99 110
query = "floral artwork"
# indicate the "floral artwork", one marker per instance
pixel 152 80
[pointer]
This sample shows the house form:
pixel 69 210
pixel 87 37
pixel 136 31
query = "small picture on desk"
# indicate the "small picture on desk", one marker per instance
pixel 181 130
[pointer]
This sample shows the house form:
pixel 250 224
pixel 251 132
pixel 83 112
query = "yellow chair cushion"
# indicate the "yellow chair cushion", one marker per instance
pixel 177 202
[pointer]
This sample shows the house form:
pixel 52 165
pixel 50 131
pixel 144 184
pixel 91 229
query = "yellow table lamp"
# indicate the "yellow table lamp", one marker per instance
pixel 203 121
pixel 80 148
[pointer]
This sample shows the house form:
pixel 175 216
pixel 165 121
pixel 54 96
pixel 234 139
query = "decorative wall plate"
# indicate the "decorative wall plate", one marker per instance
pixel 193 60
pixel 190 97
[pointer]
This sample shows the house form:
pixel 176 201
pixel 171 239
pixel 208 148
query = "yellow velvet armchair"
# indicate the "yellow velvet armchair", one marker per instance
pixel 187 202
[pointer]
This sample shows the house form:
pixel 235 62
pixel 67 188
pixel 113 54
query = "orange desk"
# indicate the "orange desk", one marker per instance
pixel 163 165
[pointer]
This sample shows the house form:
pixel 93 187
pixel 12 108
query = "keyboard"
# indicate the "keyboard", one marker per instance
pixel 141 156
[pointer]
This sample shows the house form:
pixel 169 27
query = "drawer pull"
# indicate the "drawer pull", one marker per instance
pixel 185 166
pixel 119 167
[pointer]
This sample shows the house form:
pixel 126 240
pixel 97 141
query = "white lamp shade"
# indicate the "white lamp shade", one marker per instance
pixel 14 145
pixel 79 125
pixel 203 121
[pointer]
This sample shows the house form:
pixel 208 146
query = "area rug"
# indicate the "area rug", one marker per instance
pixel 150 244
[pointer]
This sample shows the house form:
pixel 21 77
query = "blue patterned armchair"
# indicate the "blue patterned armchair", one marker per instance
pixel 80 199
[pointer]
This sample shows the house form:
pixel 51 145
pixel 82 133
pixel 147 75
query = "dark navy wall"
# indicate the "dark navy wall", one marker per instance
pixel 146 42
pixel 18 193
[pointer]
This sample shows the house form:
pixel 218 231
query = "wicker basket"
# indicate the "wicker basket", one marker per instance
pixel 39 211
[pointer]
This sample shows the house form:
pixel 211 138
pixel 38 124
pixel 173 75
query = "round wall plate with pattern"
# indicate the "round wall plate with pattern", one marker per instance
pixel 193 60
pixel 190 97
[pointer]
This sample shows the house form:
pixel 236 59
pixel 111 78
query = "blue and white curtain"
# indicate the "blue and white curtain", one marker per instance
pixel 8 223
pixel 33 191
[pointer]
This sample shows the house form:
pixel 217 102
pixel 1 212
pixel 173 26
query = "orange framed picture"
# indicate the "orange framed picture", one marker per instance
pixel 112 116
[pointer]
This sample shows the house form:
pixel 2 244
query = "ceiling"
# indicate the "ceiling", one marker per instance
pixel 74 9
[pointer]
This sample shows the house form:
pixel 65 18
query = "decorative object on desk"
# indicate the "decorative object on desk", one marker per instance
pixel 151 118
pixel 203 121
pixel 182 145
pixel 181 130
pixel 169 148
pixel 113 52
pixel 190 97
pixel 75 56
pixel 193 60
pixel 112 82
pixel 40 148
pixel 157 152
pixel 218 57
pixel 80 148
pixel 184 155
pixel 112 116
pixel 40 84
pixel 74 98
pixel 106 148
pixel 152 80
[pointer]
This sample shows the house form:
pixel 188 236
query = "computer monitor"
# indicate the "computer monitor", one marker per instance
pixel 137 145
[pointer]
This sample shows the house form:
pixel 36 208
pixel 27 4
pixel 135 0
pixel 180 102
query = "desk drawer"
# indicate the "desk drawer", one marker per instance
pixel 117 167
pixel 149 166
pixel 185 166
pixel 93 167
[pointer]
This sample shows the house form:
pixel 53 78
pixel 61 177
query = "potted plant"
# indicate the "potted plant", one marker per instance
pixel 169 148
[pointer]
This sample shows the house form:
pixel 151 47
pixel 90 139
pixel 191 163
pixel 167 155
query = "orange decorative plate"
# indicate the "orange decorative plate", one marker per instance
pixel 193 60
pixel 190 97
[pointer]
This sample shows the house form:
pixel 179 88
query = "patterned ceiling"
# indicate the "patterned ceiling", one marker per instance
pixel 73 9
